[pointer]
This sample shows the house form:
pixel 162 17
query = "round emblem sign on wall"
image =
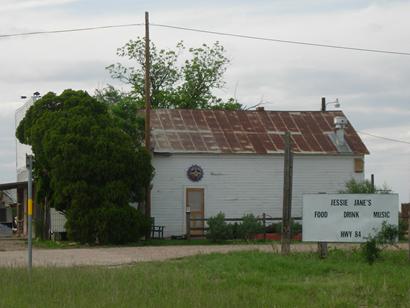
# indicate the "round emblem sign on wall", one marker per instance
pixel 195 173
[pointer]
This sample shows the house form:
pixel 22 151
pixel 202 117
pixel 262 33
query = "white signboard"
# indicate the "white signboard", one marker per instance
pixel 347 217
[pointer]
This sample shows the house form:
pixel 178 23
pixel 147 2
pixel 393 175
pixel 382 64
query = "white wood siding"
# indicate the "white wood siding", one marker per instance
pixel 239 184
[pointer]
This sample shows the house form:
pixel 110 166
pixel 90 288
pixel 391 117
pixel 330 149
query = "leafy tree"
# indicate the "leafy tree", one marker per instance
pixel 124 109
pixel 355 187
pixel 173 85
pixel 365 187
pixel 85 163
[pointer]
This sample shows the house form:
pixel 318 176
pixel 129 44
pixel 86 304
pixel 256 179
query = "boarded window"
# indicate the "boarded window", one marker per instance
pixel 358 165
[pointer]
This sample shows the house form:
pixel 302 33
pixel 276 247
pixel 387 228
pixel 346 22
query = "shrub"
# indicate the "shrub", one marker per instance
pixel 218 229
pixel 119 225
pixel 234 230
pixel 249 227
pixel 295 228
pixel 403 227
pixel 109 224
pixel 374 245
pixel 370 250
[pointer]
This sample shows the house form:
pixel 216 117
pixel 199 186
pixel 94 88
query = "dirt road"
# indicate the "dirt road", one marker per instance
pixel 128 255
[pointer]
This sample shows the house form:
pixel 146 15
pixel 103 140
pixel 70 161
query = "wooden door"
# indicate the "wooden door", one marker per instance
pixel 195 201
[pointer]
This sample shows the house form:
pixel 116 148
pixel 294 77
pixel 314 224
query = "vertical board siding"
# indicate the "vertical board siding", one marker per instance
pixel 242 184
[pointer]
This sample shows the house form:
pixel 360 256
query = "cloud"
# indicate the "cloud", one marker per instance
pixel 372 88
pixel 15 5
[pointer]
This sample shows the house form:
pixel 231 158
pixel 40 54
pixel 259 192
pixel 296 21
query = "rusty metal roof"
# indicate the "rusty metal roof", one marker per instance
pixel 261 132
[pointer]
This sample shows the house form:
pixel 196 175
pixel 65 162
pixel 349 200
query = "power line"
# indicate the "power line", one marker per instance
pixel 68 30
pixel 284 41
pixel 385 138
pixel 209 32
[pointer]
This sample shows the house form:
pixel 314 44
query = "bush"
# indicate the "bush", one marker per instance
pixel 374 245
pixel 119 225
pixel 403 227
pixel 218 229
pixel 356 187
pixel 370 250
pixel 295 228
pixel 249 227
pixel 109 224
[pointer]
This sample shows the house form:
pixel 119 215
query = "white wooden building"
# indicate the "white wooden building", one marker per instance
pixel 232 161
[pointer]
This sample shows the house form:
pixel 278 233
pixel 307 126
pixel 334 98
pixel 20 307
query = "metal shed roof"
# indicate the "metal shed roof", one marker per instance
pixel 260 132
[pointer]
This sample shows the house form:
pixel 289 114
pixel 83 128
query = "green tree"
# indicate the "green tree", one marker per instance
pixel 365 187
pixel 173 85
pixel 85 163
pixel 124 109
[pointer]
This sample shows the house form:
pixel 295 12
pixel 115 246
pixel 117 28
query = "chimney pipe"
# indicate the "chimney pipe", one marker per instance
pixel 260 108
pixel 323 104
pixel 340 125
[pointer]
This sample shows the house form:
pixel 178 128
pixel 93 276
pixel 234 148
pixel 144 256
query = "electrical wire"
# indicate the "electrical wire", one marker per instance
pixel 384 138
pixel 283 41
pixel 400 53
pixel 68 30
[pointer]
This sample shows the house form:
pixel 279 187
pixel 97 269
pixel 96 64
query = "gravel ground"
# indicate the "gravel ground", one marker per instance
pixel 129 255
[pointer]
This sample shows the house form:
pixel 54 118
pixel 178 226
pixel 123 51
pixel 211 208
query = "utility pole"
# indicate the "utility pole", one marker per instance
pixel 29 165
pixel 287 195
pixel 147 91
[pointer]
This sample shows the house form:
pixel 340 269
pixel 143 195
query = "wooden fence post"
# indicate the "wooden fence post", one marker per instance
pixel 264 226
pixel 322 249
pixel 188 224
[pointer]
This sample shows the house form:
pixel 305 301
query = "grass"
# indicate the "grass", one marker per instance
pixel 48 244
pixel 241 279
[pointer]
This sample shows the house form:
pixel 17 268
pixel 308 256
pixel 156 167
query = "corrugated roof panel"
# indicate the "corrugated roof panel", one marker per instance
pixel 165 118
pixel 256 123
pixel 200 120
pixel 210 118
pixel 198 142
pixel 222 142
pixel 266 122
pixel 186 141
pixel 267 142
pixel 177 119
pixel 277 120
pixel 289 123
pixel 302 144
pixel 257 144
pixel 188 119
pixel 278 141
pixel 233 142
pixel 234 121
pixel 246 125
pixel 217 131
pixel 246 145
pixel 223 121
pixel 210 142
pixel 173 141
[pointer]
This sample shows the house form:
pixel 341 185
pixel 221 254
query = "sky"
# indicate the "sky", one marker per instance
pixel 371 87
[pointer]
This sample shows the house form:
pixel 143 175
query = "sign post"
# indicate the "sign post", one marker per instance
pixel 29 165
pixel 348 218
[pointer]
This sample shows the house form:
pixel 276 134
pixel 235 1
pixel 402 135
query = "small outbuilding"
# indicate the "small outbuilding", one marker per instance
pixel 213 161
